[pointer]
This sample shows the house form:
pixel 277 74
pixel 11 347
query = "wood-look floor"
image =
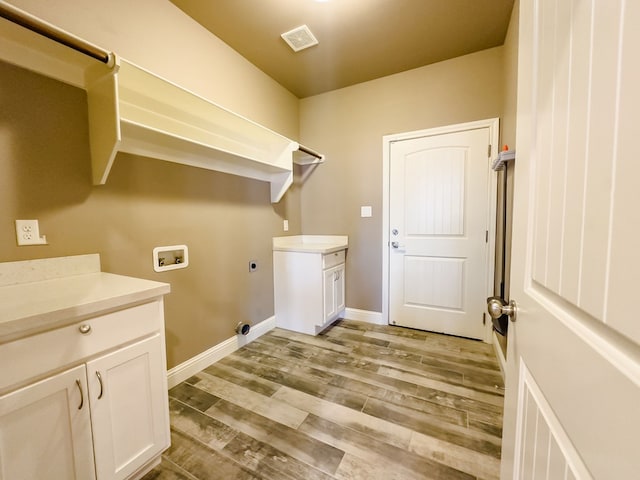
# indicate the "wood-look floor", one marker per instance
pixel 359 401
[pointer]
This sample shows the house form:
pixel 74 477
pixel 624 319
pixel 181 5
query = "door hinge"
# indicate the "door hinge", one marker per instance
pixel 486 236
pixel 484 318
pixel 489 150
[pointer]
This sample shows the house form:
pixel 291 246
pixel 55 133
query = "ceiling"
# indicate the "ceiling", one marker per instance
pixel 359 40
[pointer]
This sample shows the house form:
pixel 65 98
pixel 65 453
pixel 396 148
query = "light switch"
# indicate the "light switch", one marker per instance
pixel 365 211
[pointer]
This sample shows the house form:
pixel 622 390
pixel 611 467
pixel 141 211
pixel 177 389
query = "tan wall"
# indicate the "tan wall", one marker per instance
pixel 348 124
pixel 225 220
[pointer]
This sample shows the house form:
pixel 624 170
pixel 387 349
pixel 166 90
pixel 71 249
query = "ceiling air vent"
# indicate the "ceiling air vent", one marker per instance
pixel 299 38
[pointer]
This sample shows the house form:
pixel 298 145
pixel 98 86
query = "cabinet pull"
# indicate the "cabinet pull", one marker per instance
pixel 101 387
pixel 84 328
pixel 81 394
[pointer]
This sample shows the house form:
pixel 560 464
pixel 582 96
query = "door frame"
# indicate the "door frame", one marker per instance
pixel 493 124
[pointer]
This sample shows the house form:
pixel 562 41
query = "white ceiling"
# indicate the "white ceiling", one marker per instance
pixel 359 40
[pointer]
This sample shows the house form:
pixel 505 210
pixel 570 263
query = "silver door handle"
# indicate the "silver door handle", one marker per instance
pixel 397 245
pixel 496 308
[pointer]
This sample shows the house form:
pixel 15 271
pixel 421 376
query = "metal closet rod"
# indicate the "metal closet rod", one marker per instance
pixel 310 152
pixel 28 21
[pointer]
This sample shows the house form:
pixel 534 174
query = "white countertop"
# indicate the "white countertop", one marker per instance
pixel 311 243
pixel 66 294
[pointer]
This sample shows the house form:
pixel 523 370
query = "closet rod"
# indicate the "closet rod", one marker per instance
pixel 28 21
pixel 310 152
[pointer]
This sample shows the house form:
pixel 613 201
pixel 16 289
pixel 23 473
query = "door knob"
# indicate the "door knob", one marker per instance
pixel 496 308
pixel 395 244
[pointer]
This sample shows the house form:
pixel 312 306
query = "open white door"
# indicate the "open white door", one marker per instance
pixel 572 407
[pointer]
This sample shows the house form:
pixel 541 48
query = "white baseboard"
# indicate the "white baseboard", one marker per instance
pixel 363 316
pixel 500 356
pixel 181 372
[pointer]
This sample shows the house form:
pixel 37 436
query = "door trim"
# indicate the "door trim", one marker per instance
pixel 494 130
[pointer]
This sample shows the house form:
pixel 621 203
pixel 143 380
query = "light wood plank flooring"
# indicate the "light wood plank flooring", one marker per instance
pixel 359 401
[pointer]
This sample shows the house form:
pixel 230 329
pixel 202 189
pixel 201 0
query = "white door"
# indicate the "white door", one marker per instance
pixel 45 430
pixel 572 407
pixel 438 232
pixel 128 396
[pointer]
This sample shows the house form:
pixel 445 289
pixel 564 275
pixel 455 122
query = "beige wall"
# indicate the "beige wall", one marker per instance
pixel 347 125
pixel 225 220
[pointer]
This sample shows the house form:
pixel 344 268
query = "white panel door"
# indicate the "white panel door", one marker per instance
pixel 572 406
pixel 45 430
pixel 128 397
pixel 438 219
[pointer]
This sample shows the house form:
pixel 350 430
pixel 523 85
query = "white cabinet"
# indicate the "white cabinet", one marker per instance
pixel 45 429
pixel 309 289
pixel 104 417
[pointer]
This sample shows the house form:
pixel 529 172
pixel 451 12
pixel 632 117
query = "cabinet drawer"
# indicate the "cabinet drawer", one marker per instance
pixel 36 355
pixel 332 259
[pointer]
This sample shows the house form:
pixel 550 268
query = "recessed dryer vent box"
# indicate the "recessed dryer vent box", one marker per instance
pixel 170 258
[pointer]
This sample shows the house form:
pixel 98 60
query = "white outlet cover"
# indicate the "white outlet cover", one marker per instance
pixel 28 233
pixel 365 211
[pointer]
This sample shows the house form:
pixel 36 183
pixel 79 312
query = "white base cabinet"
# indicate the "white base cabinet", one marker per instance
pixel 309 289
pixel 98 407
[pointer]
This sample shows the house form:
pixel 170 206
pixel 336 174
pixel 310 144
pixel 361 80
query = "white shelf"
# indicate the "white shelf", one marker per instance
pixel 26 49
pixel 135 111
pixel 132 110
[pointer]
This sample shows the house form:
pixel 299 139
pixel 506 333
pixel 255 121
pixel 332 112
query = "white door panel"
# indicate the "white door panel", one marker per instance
pixel 573 366
pixel 438 205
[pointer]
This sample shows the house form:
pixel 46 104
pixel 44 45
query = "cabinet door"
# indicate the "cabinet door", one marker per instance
pixel 129 411
pixel 339 289
pixel 329 293
pixel 45 430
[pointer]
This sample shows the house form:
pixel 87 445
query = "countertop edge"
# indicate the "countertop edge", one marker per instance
pixel 46 320
pixel 310 248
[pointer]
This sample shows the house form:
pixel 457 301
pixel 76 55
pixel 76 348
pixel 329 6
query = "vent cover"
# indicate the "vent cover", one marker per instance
pixel 299 38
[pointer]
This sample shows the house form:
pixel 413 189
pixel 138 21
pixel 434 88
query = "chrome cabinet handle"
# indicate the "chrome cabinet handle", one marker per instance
pixel 81 394
pixel 84 328
pixel 101 386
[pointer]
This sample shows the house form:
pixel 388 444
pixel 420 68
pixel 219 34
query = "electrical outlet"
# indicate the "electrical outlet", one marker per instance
pixel 28 233
pixel 285 225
